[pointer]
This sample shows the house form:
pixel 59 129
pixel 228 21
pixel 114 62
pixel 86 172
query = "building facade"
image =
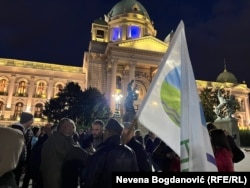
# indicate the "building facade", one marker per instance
pixel 26 86
pixel 123 47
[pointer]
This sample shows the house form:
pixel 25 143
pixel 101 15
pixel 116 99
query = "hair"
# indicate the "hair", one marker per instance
pixel 210 126
pixel 99 122
pixel 137 132
pixel 35 130
pixel 63 121
pixel 219 139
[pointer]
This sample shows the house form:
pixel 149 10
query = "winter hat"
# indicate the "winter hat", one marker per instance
pixel 25 117
pixel 114 125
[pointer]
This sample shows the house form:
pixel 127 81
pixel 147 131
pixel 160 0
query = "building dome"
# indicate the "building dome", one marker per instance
pixel 226 76
pixel 129 17
pixel 126 7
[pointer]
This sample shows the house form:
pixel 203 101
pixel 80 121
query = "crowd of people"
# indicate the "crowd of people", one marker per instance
pixel 59 156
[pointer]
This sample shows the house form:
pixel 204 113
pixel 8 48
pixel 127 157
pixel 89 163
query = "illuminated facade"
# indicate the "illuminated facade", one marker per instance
pixel 27 85
pixel 123 47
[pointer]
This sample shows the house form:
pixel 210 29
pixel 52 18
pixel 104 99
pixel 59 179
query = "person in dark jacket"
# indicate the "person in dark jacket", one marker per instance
pixel 238 154
pixel 128 138
pixel 35 157
pixel 152 142
pixel 139 137
pixel 222 151
pixel 110 157
pixel 26 120
pixel 166 159
pixel 74 163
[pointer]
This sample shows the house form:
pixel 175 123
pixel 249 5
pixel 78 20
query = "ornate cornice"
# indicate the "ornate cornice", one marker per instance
pixel 39 65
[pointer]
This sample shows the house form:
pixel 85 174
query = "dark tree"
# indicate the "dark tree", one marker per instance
pixel 208 99
pixel 95 106
pixel 80 106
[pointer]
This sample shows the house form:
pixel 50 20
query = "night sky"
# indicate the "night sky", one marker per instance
pixel 58 31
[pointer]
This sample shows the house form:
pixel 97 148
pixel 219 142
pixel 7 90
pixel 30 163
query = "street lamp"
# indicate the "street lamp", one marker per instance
pixel 117 98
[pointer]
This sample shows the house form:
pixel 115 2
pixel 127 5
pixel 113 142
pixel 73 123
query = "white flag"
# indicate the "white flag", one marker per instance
pixel 172 109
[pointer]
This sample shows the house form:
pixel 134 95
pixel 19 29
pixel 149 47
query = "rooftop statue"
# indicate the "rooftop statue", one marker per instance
pixel 226 106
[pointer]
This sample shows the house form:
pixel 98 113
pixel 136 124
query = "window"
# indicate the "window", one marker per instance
pixel 38 110
pixel 21 87
pixel 58 88
pixel 117 33
pixel 100 34
pixel 41 89
pixel 134 31
pixel 3 86
pixel 18 109
pixel 118 82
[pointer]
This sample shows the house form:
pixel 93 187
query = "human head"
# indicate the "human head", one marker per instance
pixel 97 128
pixel 26 119
pixel 151 134
pixel 137 132
pixel 210 126
pixel 48 129
pixel 36 131
pixel 218 139
pixel 66 127
pixel 113 127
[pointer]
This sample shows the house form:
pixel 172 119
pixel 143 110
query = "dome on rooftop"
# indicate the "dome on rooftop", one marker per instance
pixel 127 6
pixel 226 76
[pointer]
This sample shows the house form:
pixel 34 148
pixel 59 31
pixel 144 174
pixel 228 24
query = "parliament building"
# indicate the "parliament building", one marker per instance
pixel 123 47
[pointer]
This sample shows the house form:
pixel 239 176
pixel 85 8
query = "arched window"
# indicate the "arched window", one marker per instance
pixel 18 109
pixel 58 88
pixel 118 82
pixel 22 87
pixel 3 86
pixel 38 110
pixel 41 89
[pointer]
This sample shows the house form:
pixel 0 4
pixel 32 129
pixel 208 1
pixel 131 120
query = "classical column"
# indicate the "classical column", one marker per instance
pixel 113 84
pixel 50 89
pixel 30 94
pixel 132 70
pixel 246 101
pixel 108 91
pixel 11 91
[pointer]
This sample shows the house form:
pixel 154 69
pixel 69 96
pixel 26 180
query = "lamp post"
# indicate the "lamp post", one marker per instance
pixel 117 98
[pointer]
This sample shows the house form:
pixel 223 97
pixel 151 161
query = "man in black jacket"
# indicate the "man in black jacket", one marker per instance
pixel 110 157
pixel 128 138
pixel 26 120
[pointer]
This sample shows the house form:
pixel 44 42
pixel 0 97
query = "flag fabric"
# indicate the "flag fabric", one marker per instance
pixel 172 109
